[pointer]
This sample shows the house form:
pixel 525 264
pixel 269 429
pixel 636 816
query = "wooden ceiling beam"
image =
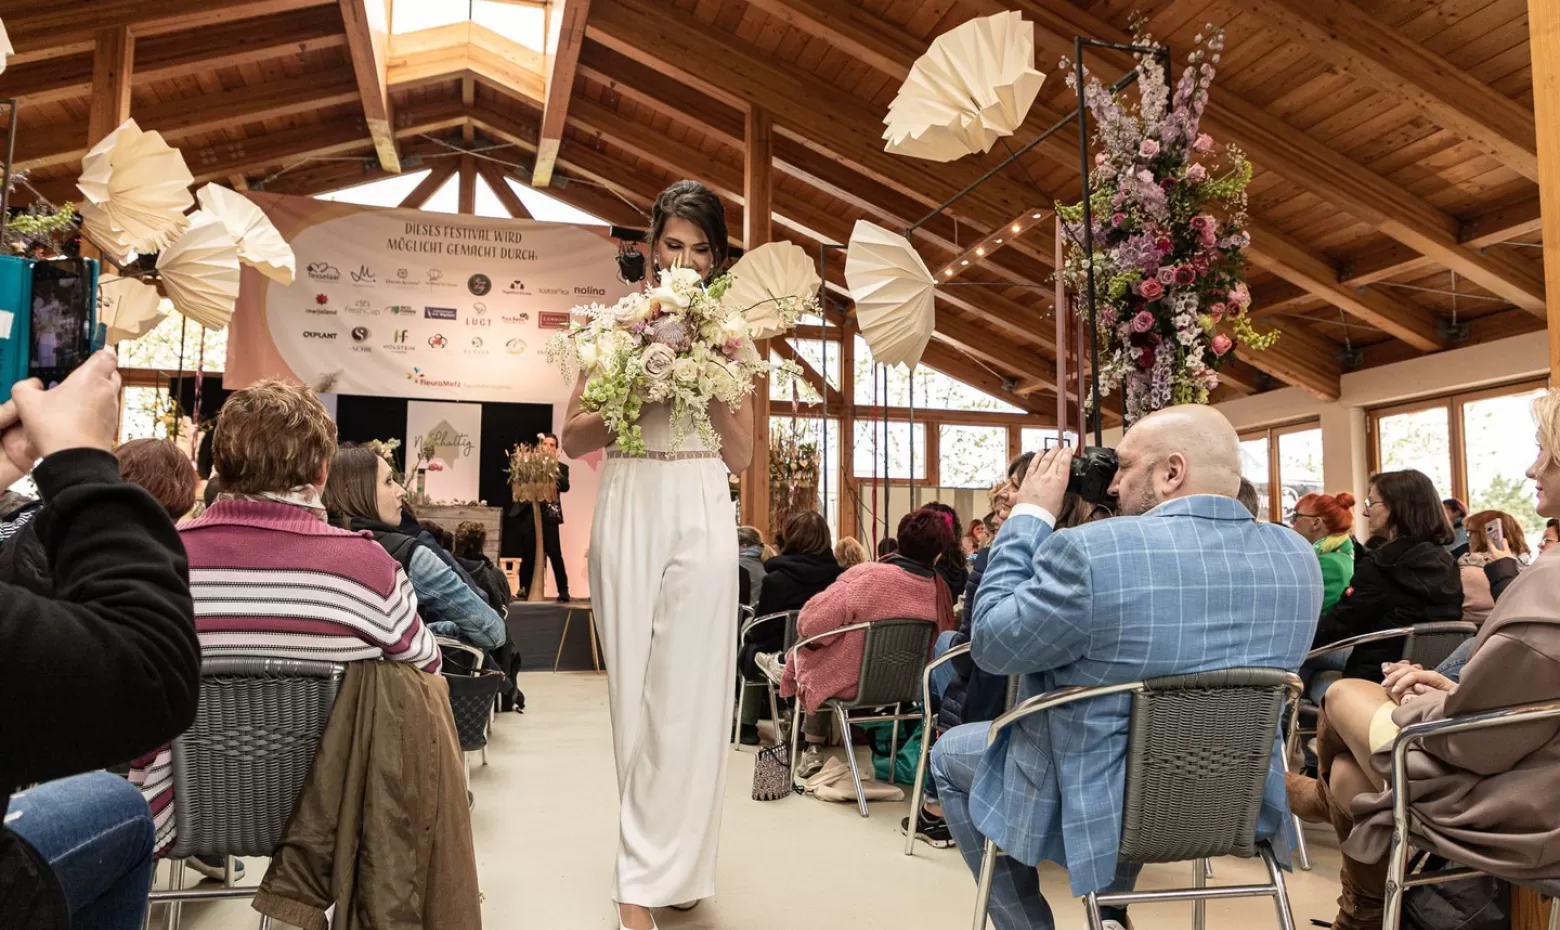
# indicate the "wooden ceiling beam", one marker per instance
pixel 429 185
pixel 952 363
pixel 1301 358
pixel 48 30
pixel 494 176
pixel 1502 224
pixel 1371 51
pixel 113 63
pixel 565 35
pixel 458 49
pixel 367 27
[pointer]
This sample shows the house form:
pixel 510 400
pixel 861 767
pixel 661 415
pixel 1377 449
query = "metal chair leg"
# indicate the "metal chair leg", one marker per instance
pixel 1554 914
pixel 227 871
pixel 918 792
pixel 1286 917
pixel 850 755
pixel 1207 868
pixel 988 871
pixel 1199 905
pixel 796 731
pixel 1301 852
pixel 175 883
pixel 1091 907
pixel 265 922
pixel 736 723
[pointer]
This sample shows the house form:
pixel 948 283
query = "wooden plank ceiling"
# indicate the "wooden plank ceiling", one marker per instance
pixel 1395 204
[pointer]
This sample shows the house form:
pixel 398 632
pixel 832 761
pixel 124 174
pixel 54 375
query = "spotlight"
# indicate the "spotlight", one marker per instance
pixel 980 251
pixel 1015 227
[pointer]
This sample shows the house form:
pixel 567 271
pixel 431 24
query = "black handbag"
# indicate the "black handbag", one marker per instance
pixel 471 700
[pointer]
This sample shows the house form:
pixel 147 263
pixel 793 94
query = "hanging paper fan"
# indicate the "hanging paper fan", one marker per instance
pixel 973 86
pixel 763 278
pixel 200 271
pixel 6 50
pixel 893 291
pixel 128 308
pixel 259 243
pixel 136 188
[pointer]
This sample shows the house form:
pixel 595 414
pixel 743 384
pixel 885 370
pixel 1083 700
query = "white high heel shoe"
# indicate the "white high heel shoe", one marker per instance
pixel 621 926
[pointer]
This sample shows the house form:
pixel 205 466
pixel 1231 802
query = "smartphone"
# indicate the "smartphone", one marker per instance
pixel 61 321
pixel 1495 532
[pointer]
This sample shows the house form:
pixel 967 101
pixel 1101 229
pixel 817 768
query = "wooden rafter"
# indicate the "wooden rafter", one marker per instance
pixel 49 30
pixel 506 195
pixel 456 50
pixel 113 65
pixel 1307 361
pixel 565 35
pixel 429 185
pixel 367 27
pixel 785 350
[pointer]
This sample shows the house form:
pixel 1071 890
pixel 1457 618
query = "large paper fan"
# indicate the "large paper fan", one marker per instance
pixel 136 188
pixel 128 308
pixel 893 291
pixel 6 50
pixel 259 243
pixel 974 85
pixel 200 271
pixel 771 273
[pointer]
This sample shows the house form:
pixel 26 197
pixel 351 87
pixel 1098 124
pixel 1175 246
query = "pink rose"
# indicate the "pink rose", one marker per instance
pixel 1150 289
pixel 1116 219
pixel 1149 148
pixel 1143 322
pixel 1185 275
pixel 1196 173
pixel 1100 158
pixel 1216 312
pixel 1204 142
pixel 1201 222
pixel 1240 295
pixel 1166 274
pixel 1222 344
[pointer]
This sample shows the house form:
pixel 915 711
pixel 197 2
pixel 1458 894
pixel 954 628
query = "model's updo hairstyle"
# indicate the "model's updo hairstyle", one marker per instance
pixel 698 205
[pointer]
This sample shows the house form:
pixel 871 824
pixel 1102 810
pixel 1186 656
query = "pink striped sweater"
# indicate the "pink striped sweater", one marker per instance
pixel 271 579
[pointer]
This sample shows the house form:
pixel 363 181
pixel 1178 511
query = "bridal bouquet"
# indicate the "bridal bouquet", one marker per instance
pixel 679 343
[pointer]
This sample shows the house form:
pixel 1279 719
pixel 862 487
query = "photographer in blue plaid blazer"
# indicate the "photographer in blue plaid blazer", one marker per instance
pixel 1184 581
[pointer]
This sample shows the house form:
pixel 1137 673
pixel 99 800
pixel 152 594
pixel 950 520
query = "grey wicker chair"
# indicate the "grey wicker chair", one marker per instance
pixel 238 769
pixel 928 728
pixel 472 738
pixel 750 623
pixel 1403 837
pixel 892 661
pixel 1198 752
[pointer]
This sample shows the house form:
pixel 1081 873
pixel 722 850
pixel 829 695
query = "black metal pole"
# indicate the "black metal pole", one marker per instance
pixel 1088 245
pixel 10 159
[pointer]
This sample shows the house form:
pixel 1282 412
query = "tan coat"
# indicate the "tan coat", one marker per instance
pixel 381 829
pixel 1487 799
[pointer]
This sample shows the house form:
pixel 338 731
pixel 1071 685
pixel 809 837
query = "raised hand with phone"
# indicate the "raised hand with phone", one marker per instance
pixel 81 413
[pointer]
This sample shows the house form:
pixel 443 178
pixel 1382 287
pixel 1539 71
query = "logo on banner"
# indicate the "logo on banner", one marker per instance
pixel 310 334
pixel 416 376
pixel 519 319
pixel 323 271
pixel 478 347
pixel 360 333
pixel 401 310
pixel 319 311
pixel 436 279
pixel 363 306
pixel 590 291
pixel 515 347
pixel 439 313
pixel 517 286
pixel 476 342
pixel 552 319
pixel 554 291
pixel 479 284
pixel 478 321
pixel 479 308
pixel 401 335
pixel 364 275
pixel 437 341
pixel 403 277
pixel 400 342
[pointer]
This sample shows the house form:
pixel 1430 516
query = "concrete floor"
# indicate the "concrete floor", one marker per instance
pixel 545 827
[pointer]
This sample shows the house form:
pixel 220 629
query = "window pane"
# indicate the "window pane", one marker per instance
pixel 971 456
pixel 786 431
pixel 1299 468
pixel 933 389
pixel 1254 468
pixel 1041 438
pixel 870 441
pixel 160 347
pixel 1420 440
pixel 781 383
pixel 1498 447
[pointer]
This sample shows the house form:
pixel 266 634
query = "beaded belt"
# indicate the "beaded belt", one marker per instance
pixel 663 456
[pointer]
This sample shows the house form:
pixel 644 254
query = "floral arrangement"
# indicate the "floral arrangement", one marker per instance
pixel 679 342
pixel 793 465
pixel 1168 216
pixel 533 473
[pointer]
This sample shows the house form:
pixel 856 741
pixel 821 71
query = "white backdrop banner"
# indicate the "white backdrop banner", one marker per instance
pixel 455 431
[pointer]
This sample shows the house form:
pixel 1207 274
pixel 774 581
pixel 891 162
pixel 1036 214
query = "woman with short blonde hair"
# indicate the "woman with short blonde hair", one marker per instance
pixel 849 551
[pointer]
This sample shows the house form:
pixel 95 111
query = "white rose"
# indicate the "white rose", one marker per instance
pixel 657 362
pixel 685 371
pixel 588 353
pixel 733 327
pixel 678 276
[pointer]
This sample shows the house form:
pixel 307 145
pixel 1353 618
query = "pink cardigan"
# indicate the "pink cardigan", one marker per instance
pixel 865 593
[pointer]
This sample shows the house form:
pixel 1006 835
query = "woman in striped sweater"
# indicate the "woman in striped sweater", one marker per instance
pixel 270 577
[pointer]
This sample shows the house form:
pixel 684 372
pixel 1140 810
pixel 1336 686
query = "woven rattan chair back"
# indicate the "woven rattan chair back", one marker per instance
pixel 896 651
pixel 1431 643
pixel 1198 752
pixel 238 770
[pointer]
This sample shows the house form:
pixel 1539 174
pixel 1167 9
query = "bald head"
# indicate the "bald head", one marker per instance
pixel 1177 452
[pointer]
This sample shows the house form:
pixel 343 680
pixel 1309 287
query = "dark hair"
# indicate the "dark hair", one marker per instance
pixel 806 533
pixel 470 540
pixel 552 436
pixel 1247 495
pixel 1552 524
pixel 1456 506
pixel 1075 512
pixel 924 535
pixel 748 537
pixel 213 487
pixel 953 555
pixel 350 490
pixel 888 545
pixel 1414 508
pixel 162 469
pixel 442 536
pixel 697 204
pixel 203 454
pixel 1018 466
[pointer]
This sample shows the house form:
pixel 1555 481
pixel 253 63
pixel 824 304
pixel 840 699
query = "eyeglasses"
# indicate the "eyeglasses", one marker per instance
pixel 1369 503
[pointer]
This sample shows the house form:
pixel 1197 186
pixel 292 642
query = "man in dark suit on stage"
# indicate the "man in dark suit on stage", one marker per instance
pixel 519 525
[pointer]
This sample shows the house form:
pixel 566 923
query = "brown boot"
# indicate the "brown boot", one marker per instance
pixel 1305 798
pixel 1364 883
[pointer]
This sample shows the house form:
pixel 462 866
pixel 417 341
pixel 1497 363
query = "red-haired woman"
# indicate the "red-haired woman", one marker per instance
pixel 1325 520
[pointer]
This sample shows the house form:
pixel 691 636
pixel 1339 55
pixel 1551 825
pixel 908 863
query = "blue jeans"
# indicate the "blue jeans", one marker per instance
pixel 96 832
pixel 943 675
pixel 1016 901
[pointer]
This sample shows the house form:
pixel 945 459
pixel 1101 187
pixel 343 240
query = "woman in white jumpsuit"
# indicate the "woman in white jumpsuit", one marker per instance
pixel 663 582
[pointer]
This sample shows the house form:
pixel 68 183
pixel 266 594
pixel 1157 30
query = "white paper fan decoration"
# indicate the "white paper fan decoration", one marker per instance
pixel 200 271
pixel 259 243
pixel 772 272
pixel 973 86
pixel 6 49
pixel 136 188
pixel 129 308
pixel 893 291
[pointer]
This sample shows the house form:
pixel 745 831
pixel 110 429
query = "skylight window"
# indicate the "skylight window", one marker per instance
pixel 521 21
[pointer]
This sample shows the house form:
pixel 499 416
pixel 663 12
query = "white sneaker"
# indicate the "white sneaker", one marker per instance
pixel 770 664
pixel 809 764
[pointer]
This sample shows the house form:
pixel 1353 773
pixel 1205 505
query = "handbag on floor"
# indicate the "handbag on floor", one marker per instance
pixel 772 773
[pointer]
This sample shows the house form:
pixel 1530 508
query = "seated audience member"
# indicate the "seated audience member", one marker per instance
pixel 750 565
pixel 1185 582
pixel 954 566
pixel 1478 599
pixel 270 577
pixel 102 669
pixel 469 547
pixel 442 537
pixel 1410 578
pixel 887 546
pixel 439 541
pixel 849 552
pixel 1325 520
pixel 1456 515
pixel 363 495
pixel 1248 498
pixel 804 567
pixel 1473 793
pixel 904 586
pixel 1551 535
pixel 209 494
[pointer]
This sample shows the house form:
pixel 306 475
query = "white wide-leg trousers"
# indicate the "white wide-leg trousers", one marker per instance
pixel 663 583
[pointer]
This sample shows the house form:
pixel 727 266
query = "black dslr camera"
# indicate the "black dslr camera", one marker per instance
pixel 1093 469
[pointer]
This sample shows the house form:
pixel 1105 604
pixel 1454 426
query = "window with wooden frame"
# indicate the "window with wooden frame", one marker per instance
pixel 1285 464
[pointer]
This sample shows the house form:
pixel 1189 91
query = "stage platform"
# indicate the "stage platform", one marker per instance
pixel 538 630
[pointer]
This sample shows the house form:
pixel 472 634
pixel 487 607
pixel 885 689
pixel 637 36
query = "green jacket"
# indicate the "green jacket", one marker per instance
pixel 1336 553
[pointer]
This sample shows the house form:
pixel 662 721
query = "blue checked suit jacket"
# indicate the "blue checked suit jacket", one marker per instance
pixel 1193 585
